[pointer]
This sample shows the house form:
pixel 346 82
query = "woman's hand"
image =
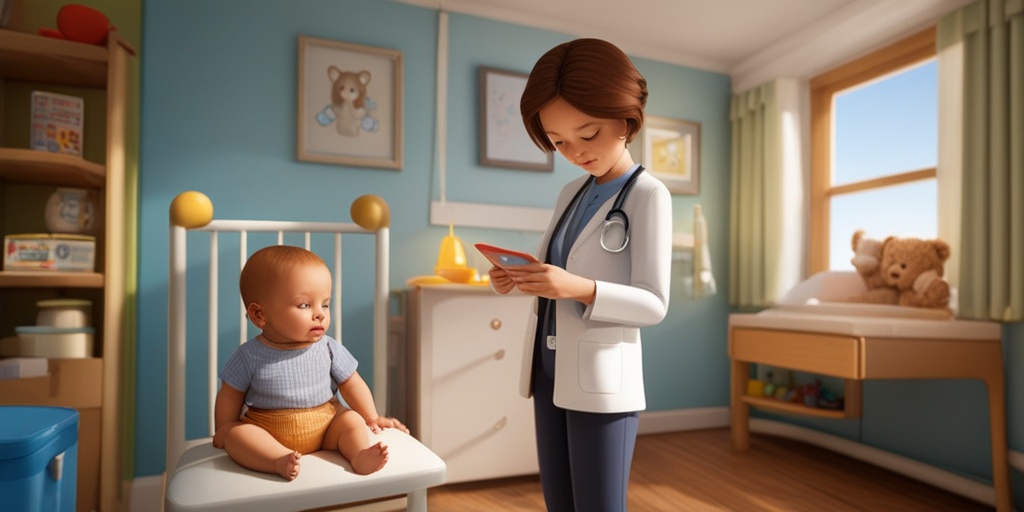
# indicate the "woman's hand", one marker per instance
pixel 500 280
pixel 551 282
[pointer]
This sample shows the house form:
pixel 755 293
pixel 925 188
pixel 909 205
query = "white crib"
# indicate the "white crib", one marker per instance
pixel 201 477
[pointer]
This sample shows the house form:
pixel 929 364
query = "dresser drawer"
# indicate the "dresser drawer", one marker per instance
pixel 468 357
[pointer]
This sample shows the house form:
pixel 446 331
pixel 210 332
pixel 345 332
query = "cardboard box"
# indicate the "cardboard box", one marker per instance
pixel 74 383
pixel 57 122
pixel 42 251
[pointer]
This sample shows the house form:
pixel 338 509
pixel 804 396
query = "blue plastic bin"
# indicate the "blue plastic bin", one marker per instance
pixel 38 458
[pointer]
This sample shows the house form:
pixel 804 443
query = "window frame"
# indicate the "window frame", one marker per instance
pixel 823 88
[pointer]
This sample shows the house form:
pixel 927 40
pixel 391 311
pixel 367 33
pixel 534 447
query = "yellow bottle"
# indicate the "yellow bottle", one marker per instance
pixel 451 259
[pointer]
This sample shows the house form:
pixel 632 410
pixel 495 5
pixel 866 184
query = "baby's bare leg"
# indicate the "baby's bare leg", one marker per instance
pixel 254 448
pixel 349 435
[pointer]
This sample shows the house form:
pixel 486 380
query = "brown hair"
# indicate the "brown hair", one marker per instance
pixel 593 76
pixel 267 265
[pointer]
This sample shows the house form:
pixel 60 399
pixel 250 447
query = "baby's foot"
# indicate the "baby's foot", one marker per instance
pixel 288 466
pixel 370 459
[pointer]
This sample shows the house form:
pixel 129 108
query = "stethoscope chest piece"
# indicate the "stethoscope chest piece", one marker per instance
pixel 615 231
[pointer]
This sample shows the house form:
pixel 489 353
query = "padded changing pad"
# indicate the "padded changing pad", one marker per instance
pixel 823 293
pixel 811 306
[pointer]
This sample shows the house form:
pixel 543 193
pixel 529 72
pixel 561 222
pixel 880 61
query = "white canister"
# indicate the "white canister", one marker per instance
pixel 64 313
pixel 55 342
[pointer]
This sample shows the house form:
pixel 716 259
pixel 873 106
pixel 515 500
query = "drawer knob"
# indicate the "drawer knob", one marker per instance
pixel 495 324
pixel 499 355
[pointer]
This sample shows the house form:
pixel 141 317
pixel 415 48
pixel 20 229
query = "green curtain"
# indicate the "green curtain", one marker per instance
pixel 754 197
pixel 991 33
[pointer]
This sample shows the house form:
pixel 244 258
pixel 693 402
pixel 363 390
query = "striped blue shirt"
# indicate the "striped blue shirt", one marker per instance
pixel 288 379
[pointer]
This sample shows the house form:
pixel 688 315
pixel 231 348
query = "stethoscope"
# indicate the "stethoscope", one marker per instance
pixel 617 219
pixel 615 229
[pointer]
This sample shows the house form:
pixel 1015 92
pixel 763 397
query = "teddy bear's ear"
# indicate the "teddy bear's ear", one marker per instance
pixel 333 73
pixel 857 235
pixel 941 250
pixel 364 77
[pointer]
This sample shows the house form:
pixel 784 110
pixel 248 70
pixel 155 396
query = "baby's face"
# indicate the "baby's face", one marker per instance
pixel 297 309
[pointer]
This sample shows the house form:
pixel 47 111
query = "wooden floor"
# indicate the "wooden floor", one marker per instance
pixel 699 471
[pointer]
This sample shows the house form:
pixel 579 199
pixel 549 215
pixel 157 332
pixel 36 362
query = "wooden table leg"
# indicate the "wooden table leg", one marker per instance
pixel 740 409
pixel 997 423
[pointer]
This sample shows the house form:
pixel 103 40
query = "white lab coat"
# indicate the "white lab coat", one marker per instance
pixel 598 357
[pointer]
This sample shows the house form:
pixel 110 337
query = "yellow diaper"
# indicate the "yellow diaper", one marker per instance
pixel 301 430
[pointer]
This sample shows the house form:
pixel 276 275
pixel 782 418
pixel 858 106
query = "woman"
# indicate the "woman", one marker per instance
pixel 598 282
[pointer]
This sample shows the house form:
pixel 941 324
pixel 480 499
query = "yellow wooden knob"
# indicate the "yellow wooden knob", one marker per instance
pixel 371 212
pixel 191 210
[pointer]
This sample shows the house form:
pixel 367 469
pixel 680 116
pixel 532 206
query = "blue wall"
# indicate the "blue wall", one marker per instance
pixel 218 116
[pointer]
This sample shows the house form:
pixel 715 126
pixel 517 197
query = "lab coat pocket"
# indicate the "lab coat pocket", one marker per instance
pixel 600 362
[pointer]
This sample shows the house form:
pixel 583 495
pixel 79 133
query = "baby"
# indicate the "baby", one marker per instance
pixel 285 376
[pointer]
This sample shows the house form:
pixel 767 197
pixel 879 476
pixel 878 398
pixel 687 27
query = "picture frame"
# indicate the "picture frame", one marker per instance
pixel 669 149
pixel 504 141
pixel 361 127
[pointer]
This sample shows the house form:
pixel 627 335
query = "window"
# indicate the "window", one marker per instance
pixel 874 148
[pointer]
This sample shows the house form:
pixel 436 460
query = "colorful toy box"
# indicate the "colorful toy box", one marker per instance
pixel 38 458
pixel 57 122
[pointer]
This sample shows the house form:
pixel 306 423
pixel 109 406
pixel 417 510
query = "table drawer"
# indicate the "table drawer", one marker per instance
pixel 826 354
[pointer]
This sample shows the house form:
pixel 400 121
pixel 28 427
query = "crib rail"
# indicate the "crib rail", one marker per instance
pixel 192 211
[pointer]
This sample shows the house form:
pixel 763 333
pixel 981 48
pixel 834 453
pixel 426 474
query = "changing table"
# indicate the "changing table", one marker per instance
pixel 857 347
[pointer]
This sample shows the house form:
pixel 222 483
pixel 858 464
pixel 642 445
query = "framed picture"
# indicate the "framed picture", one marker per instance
pixel 670 150
pixel 503 138
pixel 350 104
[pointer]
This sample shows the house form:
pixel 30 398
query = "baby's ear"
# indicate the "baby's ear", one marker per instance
pixel 255 314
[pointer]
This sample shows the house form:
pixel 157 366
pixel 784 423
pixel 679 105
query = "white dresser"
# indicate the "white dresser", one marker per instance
pixel 463 349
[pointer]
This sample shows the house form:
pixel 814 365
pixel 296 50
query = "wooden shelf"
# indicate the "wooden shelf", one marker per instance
pixel 50 279
pixel 788 407
pixel 45 168
pixel 56 61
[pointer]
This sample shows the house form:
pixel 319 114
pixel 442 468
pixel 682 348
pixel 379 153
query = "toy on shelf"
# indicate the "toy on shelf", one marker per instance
pixel 81 24
pixel 811 394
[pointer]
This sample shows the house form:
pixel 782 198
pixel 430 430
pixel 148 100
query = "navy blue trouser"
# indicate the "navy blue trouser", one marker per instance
pixel 584 457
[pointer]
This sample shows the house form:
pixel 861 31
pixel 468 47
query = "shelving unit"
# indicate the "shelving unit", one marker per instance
pixel 93 386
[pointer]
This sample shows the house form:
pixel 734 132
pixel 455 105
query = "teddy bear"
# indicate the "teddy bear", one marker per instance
pixel 912 269
pixel 915 267
pixel 348 99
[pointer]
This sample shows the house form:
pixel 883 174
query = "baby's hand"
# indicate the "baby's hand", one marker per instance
pixel 222 434
pixel 383 422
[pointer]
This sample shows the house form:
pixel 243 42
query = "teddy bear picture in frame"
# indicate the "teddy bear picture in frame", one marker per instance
pixel 349 104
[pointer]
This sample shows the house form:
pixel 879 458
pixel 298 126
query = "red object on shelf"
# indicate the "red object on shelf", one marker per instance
pixel 81 24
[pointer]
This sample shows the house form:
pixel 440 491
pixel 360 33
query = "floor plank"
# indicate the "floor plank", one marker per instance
pixel 698 471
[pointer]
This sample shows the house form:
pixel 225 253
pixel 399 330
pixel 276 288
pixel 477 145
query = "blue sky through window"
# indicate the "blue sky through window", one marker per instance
pixel 884 127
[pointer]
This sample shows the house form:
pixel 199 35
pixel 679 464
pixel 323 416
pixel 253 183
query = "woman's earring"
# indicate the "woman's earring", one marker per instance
pixel 622 137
